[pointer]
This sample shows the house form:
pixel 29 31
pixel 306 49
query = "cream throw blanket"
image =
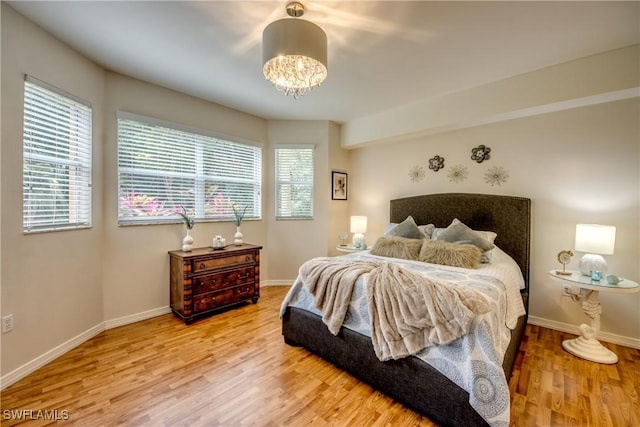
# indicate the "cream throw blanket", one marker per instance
pixel 408 312
pixel 331 282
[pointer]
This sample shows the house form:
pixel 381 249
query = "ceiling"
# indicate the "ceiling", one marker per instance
pixel 382 54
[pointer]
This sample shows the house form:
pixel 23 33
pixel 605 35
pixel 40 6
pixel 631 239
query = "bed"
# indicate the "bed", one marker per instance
pixel 416 381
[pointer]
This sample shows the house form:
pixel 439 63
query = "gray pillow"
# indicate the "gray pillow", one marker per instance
pixel 397 247
pixel 406 228
pixel 460 233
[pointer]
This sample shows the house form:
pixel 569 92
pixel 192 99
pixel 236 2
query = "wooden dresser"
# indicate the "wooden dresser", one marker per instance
pixel 205 280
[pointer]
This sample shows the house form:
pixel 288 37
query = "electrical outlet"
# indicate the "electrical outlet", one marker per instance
pixel 566 290
pixel 7 323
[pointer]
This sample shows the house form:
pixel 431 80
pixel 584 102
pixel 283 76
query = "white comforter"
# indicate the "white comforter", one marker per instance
pixel 474 361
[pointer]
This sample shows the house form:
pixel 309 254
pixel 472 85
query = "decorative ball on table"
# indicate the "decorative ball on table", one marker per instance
pixel 358 228
pixel 594 240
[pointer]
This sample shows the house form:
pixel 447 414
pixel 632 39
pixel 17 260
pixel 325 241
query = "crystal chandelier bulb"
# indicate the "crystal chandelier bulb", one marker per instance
pixel 294 74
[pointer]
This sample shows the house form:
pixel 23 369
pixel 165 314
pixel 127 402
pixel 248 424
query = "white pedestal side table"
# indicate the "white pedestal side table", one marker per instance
pixel 587 291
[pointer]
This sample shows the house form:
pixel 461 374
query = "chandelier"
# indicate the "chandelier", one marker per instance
pixel 294 53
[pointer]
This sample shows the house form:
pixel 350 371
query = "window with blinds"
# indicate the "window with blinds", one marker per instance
pixel 56 168
pixel 294 182
pixel 163 167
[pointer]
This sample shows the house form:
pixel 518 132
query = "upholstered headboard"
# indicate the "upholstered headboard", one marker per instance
pixel 509 217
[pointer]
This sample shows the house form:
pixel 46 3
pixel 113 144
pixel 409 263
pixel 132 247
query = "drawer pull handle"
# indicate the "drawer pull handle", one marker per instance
pixel 247 258
pixel 208 282
pixel 202 265
pixel 243 277
pixel 243 291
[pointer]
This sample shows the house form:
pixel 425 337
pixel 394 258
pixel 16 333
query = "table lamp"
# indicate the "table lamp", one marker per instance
pixel 595 240
pixel 358 228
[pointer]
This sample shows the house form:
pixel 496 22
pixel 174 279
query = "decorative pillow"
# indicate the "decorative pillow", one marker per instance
pixel 397 247
pixel 389 227
pixel 486 257
pixel 406 228
pixel 463 255
pixel 488 235
pixel 460 233
pixel 427 230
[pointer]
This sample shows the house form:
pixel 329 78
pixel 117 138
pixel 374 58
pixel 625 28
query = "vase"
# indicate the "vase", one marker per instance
pixel 187 242
pixel 237 238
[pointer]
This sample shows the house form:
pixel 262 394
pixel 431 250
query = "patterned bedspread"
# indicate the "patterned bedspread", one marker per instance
pixel 474 361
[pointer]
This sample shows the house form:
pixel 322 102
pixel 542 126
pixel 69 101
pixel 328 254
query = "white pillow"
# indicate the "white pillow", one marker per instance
pixel 427 230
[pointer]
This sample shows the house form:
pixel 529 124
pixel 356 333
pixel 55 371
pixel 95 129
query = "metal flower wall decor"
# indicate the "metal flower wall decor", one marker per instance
pixel 436 163
pixel 480 153
pixel 496 175
pixel 457 173
pixel 416 174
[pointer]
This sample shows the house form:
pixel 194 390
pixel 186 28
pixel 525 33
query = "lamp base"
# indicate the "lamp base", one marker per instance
pixel 358 240
pixel 593 262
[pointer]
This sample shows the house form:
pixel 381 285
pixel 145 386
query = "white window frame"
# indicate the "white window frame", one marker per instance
pixel 284 184
pixel 194 198
pixel 56 159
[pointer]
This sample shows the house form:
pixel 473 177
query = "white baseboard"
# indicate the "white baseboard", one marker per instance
pixel 40 361
pixel 264 283
pixel 132 318
pixel 574 329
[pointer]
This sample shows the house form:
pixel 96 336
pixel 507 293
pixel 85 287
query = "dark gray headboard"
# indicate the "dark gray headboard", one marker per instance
pixel 509 217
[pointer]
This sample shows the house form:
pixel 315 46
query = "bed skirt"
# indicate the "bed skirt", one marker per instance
pixel 410 381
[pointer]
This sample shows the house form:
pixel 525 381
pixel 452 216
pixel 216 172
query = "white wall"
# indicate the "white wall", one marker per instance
pixel 602 77
pixel 51 282
pixel 136 264
pixel 578 166
pixel 291 242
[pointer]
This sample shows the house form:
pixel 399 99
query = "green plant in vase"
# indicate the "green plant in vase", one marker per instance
pixel 238 213
pixel 189 222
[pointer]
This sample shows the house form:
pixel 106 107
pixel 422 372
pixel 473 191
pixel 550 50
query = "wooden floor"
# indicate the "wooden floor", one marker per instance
pixel 233 369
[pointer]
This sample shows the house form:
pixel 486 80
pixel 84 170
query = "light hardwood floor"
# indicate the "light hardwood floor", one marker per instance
pixel 234 369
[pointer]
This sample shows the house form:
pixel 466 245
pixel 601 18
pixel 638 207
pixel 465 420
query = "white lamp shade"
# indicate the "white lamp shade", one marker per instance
pixel 595 238
pixel 294 55
pixel 358 224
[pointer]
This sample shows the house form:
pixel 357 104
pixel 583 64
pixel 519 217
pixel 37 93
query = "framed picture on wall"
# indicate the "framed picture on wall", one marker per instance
pixel 338 185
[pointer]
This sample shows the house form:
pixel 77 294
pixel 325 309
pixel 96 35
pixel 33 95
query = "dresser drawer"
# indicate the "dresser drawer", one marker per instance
pixel 223 280
pixel 201 265
pixel 216 299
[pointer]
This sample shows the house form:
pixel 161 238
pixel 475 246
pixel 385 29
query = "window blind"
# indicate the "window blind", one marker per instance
pixel 163 167
pixel 56 169
pixel 294 182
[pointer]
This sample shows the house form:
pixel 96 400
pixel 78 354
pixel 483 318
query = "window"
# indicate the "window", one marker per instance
pixel 294 182
pixel 56 153
pixel 163 167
